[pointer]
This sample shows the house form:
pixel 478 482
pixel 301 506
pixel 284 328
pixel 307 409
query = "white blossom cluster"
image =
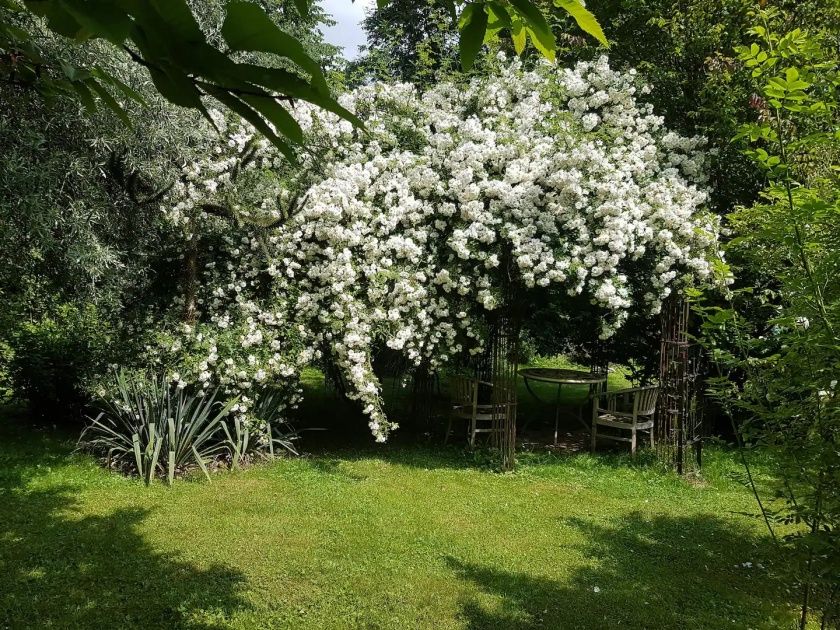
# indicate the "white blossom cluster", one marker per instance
pixel 410 228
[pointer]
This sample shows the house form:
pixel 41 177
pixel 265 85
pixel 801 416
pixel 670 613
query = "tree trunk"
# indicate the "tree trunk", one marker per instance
pixel 190 281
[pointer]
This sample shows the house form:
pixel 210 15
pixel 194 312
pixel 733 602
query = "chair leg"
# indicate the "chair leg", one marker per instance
pixel 472 433
pixel 633 442
pixel 594 436
pixel 651 438
pixel 448 431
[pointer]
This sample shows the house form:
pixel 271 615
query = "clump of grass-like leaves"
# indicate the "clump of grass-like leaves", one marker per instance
pixel 151 427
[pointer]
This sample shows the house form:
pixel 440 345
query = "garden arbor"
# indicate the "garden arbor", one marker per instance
pixel 426 234
pixel 679 415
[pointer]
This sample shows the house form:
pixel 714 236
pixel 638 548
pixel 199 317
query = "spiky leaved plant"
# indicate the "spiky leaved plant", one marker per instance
pixel 151 426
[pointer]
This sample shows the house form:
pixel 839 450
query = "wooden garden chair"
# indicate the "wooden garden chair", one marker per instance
pixel 466 406
pixel 625 410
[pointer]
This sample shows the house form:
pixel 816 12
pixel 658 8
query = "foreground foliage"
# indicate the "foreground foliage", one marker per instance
pixel 777 346
pixel 187 65
pixel 152 427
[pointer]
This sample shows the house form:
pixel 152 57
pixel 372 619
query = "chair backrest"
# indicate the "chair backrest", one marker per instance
pixel 464 390
pixel 639 400
pixel 644 400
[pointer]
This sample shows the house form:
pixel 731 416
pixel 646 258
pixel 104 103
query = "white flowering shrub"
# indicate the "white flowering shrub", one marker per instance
pixel 403 234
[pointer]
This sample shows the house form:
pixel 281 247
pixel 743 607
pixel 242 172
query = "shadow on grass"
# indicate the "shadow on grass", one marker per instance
pixel 60 570
pixel 644 572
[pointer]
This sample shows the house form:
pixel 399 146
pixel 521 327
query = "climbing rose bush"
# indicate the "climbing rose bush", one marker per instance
pixel 402 234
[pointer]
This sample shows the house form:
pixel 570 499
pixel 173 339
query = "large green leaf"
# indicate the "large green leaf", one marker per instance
pixel 292 85
pixel 302 7
pixel 497 19
pixel 518 35
pixel 537 27
pixel 58 18
pixel 276 114
pixel 110 79
pixel 109 100
pixel 242 109
pixel 275 79
pixel 546 50
pixel 177 87
pixel 247 27
pixel 473 24
pixel 85 95
pixel 178 16
pixel 584 18
pixel 100 18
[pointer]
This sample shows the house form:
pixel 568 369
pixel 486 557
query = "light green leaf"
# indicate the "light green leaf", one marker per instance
pixel 498 15
pixel 584 18
pixel 518 35
pixel 546 52
pixel 537 27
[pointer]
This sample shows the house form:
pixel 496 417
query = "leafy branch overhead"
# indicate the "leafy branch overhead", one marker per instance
pixel 481 21
pixel 165 37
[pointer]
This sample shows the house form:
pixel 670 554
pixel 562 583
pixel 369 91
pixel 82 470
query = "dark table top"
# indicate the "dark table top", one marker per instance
pixel 562 376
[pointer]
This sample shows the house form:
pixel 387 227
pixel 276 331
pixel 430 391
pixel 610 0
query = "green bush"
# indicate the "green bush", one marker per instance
pixel 56 358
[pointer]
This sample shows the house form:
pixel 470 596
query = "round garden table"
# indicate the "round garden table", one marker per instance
pixel 561 377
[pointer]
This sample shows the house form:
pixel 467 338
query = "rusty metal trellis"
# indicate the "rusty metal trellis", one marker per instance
pixel 504 363
pixel 679 426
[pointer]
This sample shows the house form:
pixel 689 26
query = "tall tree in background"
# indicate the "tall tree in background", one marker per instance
pixel 686 50
pixel 407 40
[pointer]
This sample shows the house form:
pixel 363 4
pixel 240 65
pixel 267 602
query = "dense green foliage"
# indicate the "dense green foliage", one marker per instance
pixel 776 345
pixel 56 357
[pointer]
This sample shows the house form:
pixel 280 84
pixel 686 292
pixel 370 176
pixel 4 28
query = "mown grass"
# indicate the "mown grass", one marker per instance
pixel 391 537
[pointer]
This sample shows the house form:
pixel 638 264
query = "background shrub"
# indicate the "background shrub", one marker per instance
pixel 55 358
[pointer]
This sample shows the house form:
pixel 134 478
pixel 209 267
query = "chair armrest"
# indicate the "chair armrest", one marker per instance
pixel 611 412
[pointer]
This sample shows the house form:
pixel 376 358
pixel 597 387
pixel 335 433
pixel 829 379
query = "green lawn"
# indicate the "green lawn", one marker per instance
pixel 391 537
